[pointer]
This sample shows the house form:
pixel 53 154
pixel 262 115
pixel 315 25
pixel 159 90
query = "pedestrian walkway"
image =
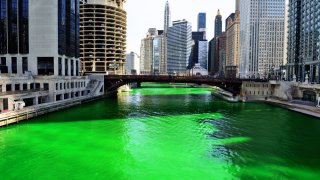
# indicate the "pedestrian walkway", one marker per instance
pixel 305 109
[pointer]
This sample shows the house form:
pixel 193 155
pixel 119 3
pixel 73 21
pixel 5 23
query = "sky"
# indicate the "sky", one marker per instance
pixel 145 14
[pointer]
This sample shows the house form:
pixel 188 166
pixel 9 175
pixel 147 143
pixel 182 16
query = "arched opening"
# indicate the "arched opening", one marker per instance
pixel 309 96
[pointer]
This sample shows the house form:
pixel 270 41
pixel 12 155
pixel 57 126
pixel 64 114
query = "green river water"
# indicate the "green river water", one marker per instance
pixel 163 132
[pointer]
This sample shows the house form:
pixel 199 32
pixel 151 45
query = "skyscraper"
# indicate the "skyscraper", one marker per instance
pixel 262 33
pixel 167 18
pixel 218 24
pixel 199 50
pixel 179 46
pixel 21 49
pixel 233 43
pixel 304 40
pixel 151 52
pixel 202 21
pixel 103 36
pixel 167 25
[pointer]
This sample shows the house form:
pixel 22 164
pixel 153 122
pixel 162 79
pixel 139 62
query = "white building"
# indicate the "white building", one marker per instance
pixel 179 47
pixel 132 66
pixel 262 36
pixel 152 55
pixel 40 59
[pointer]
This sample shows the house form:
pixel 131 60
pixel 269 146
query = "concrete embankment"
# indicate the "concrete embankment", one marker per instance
pixel 304 109
pixel 34 111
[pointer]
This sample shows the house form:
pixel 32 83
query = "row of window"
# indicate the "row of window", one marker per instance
pixel 14 65
pixel 258 93
pixel 257 85
pixel 71 95
pixel 70 85
pixel 22 87
pixel 45 66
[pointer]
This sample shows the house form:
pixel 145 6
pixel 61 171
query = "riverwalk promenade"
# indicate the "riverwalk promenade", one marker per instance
pixel 34 111
pixel 304 109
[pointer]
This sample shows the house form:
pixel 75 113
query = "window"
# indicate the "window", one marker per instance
pixel 23 27
pixel 3 27
pixel 14 65
pixel 66 67
pixel 46 86
pixel 3 65
pixel 45 66
pixel 72 68
pixel 59 66
pixel 8 87
pixel 12 26
pixel 24 64
pixel 25 86
pixel 17 87
pixel 3 61
pixel 77 68
pixel 37 85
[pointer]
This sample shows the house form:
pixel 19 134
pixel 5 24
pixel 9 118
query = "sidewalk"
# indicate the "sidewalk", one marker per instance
pixel 304 109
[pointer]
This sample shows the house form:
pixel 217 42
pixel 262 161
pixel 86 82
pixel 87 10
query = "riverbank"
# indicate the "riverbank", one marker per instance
pixel 39 110
pixel 304 109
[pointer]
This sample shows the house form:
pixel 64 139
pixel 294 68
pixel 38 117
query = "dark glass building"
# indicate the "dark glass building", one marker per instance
pixel 202 18
pixel 69 27
pixel 3 27
pixel 14 27
pixel 304 40
pixel 218 25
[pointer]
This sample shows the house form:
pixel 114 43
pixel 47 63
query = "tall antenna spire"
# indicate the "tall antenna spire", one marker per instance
pixel 167 18
pixel 218 14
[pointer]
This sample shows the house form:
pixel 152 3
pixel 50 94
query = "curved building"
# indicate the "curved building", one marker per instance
pixel 102 36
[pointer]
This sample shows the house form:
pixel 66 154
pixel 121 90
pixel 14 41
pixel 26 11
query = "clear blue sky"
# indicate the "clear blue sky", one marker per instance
pixel 144 14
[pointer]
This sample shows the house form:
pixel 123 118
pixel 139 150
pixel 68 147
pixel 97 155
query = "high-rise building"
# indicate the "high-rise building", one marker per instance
pixel 132 66
pixel 199 50
pixel 167 18
pixel 179 47
pixel 217 55
pixel 218 24
pixel 304 40
pixel 262 33
pixel 167 25
pixel 211 55
pixel 21 49
pixel 39 52
pixel 233 43
pixel 151 53
pixel 103 36
pixel 202 23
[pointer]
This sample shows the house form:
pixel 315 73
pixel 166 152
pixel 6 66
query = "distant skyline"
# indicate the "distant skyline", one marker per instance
pixel 144 14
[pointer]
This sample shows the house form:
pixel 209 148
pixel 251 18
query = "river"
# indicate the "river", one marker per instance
pixel 163 131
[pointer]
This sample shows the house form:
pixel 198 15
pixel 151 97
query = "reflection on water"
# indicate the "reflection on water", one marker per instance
pixel 163 133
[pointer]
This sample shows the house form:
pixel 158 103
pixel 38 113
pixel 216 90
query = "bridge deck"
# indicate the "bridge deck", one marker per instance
pixel 178 79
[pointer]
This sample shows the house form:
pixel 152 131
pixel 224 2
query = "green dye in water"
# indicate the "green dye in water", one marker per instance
pixel 163 133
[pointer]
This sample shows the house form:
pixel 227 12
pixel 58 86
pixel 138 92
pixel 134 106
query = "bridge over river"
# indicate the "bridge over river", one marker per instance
pixel 113 82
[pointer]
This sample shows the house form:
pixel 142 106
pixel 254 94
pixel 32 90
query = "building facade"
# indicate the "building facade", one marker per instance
pixel 199 50
pixel 39 42
pixel 304 41
pixel 132 66
pixel 262 34
pixel 233 44
pixel 218 24
pixel 152 53
pixel 167 25
pixel 179 47
pixel 103 36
